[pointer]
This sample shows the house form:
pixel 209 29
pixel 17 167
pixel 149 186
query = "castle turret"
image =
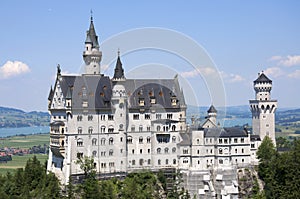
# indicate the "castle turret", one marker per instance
pixel 92 55
pixel 263 108
pixel 119 71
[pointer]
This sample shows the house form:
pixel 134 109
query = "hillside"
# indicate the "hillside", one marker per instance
pixel 11 118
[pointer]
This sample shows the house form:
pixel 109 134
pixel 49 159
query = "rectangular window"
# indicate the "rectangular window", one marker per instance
pixel 252 146
pixel 147 117
pixel 235 140
pixel 242 140
pixel 136 116
pixel 169 116
pixel 158 116
pixel 220 141
pixel 110 117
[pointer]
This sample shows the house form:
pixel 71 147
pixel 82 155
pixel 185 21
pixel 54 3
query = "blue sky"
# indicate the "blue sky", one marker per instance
pixel 241 37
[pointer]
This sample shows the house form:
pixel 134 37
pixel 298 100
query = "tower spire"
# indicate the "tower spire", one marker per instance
pixel 119 71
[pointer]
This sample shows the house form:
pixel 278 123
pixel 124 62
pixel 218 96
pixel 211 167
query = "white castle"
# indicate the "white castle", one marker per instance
pixel 128 125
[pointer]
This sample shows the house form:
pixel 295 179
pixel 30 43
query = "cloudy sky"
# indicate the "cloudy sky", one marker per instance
pixel 240 38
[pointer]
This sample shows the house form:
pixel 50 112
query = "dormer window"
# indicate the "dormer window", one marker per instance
pixel 152 100
pixel 141 102
pixel 174 101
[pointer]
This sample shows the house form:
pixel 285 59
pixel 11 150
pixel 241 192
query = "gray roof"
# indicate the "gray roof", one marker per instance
pixel 212 109
pixel 95 90
pixel 163 90
pixel 225 132
pixel 119 71
pixel 262 79
pixel 186 139
pixel 254 137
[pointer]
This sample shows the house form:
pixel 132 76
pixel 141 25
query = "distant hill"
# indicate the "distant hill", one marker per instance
pixel 11 118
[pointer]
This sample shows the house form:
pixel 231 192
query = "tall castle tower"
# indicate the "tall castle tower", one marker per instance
pixel 263 108
pixel 92 55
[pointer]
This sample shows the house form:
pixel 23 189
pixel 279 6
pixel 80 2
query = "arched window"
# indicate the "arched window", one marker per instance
pixel 174 161
pixel 140 128
pixel 148 139
pixel 79 142
pixel 129 140
pixel 174 139
pixel 166 150
pixel 220 161
pixel 90 130
pixel 141 140
pixel 159 162
pixel 79 130
pixel 173 128
pixel 94 141
pixel 132 128
pixel 220 151
pixel 158 150
pixel 110 129
pixel 102 141
pixel 167 161
pixel 158 128
pixel 111 141
pixel 111 152
pixel 62 143
pixel 102 129
pixel 174 150
pixel 94 153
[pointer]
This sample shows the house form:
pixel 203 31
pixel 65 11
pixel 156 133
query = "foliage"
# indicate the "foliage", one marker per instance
pixel 280 171
pixel 31 182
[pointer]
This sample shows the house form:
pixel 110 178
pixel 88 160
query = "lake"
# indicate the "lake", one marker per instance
pixel 5 132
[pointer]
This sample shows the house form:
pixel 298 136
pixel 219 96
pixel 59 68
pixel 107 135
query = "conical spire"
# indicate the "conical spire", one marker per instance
pixel 119 71
pixel 91 35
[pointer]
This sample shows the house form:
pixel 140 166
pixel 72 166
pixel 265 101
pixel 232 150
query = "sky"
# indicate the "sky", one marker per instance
pixel 238 39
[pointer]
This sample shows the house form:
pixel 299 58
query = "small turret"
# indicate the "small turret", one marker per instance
pixel 91 55
pixel 119 71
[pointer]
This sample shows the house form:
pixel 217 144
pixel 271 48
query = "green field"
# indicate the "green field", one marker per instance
pixel 20 162
pixel 25 142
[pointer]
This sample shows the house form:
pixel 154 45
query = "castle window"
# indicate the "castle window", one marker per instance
pixel 94 141
pixel 132 128
pixel 141 151
pixel 242 150
pixel 132 151
pixel 225 141
pixel 173 128
pixel 148 151
pixel 94 153
pixel 235 150
pixel 103 153
pixel 148 139
pixel 103 165
pixel 110 117
pixel 174 161
pixel 149 161
pixel 235 140
pixel 166 150
pixel 147 117
pixel 242 140
pixel 111 164
pixel 169 116
pixel 79 130
pixel 152 100
pixel 129 140
pixel 174 102
pixel 198 141
pixel 111 152
pixel 167 161
pixel 159 162
pixel 102 129
pixel 141 102
pixel 133 162
pixel 198 151
pixel 140 128
pixel 79 155
pixel 141 162
pixel 174 139
pixel 90 118
pixel 102 117
pixel 121 150
pixel 136 116
pixel 140 140
pixel 111 141
pixel 185 151
pixel 220 141
pixel 148 128
pixel 158 116
pixel 111 129
pixel 90 130
pixel 185 161
pixel 252 146
pixel 220 161
pixel 79 142
pixel 174 150
pixel 158 150
pixel 102 141
pixel 79 118
pixel 220 151
pixel 158 128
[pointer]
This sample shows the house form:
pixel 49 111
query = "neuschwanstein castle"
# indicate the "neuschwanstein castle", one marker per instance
pixel 128 125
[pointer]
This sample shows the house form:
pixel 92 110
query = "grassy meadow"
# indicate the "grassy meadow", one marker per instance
pixel 24 142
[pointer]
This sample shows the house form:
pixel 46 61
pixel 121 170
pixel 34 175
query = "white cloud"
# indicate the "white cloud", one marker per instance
pixel 275 58
pixel 13 68
pixel 274 72
pixel 231 78
pixel 295 74
pixel 290 60
pixel 199 71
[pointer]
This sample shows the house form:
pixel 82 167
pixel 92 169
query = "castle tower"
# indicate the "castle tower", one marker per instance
pixel 91 55
pixel 263 108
